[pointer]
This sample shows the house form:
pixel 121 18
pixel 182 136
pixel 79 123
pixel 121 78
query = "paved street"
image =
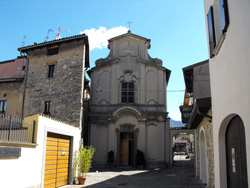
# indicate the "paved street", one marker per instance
pixel 176 177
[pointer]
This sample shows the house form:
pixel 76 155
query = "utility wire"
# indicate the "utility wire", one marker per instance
pixel 119 91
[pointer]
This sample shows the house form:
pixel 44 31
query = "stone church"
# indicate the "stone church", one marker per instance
pixel 128 107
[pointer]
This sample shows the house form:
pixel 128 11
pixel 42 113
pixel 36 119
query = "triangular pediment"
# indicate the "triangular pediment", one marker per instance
pixel 130 35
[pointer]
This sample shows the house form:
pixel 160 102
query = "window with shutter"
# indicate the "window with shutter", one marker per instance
pixel 211 31
pixel 224 15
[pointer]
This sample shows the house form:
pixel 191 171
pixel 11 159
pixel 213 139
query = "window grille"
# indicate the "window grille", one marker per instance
pixel 127 92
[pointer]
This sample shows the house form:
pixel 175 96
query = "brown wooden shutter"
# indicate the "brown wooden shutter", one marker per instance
pixel 224 15
pixel 211 32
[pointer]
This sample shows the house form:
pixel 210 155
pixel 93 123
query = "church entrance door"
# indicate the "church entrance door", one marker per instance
pixel 126 148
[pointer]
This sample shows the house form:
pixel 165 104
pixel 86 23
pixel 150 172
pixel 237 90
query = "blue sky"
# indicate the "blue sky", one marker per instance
pixel 176 29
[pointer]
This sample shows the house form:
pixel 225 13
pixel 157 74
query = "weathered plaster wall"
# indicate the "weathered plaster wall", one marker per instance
pixel 12 85
pixel 128 61
pixel 201 81
pixel 13 92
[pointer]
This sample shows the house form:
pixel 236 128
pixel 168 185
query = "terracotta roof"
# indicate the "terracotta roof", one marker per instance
pixel 12 70
pixel 66 39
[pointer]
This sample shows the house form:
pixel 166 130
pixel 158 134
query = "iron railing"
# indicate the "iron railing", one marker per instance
pixel 14 129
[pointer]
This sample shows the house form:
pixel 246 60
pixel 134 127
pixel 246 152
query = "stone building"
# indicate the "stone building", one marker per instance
pixel 128 105
pixel 55 78
pixel 228 40
pixel 12 86
pixel 197 114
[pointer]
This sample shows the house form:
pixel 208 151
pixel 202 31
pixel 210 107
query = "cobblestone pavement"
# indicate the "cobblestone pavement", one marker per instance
pixel 176 177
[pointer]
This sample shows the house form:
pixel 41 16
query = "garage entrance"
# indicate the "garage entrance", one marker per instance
pixel 236 154
pixel 57 160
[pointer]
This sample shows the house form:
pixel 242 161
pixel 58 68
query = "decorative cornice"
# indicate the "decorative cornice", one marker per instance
pixel 127 127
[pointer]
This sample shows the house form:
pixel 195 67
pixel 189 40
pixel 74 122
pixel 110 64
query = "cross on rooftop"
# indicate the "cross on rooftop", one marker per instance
pixel 129 22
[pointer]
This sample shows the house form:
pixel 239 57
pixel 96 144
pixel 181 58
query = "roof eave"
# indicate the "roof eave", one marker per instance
pixel 31 47
pixel 129 34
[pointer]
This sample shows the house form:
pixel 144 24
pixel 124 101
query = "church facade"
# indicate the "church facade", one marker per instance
pixel 128 105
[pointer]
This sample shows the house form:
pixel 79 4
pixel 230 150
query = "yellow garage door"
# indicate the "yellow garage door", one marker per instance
pixel 57 161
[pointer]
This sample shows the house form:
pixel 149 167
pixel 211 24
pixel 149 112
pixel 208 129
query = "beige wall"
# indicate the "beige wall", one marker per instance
pixel 14 97
pixel 129 61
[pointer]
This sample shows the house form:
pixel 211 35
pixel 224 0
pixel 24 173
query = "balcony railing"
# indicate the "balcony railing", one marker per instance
pixel 16 130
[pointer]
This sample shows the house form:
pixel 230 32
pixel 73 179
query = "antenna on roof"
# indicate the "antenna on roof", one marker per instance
pixel 47 38
pixel 24 38
pixel 58 35
pixel 23 43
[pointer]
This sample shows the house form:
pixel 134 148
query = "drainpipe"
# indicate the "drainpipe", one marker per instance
pixel 25 82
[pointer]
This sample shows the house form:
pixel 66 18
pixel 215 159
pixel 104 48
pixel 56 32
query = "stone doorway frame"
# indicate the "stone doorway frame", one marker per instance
pixel 126 128
pixel 203 157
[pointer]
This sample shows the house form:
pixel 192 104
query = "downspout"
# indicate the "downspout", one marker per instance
pixel 83 100
pixel 83 73
pixel 25 83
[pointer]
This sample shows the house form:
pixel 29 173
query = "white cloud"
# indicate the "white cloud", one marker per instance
pixel 98 38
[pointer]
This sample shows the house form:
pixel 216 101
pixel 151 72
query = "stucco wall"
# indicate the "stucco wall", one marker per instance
pixel 13 94
pixel 229 74
pixel 106 85
pixel 201 82
pixel 129 61
pixel 28 170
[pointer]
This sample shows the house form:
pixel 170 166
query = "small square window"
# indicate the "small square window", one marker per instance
pixel 51 71
pixel 53 49
pixel 3 105
pixel 47 107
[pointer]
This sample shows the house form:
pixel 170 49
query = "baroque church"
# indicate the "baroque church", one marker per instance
pixel 128 107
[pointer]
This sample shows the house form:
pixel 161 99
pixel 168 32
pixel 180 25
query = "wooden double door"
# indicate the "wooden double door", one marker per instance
pixel 236 154
pixel 126 148
pixel 57 161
